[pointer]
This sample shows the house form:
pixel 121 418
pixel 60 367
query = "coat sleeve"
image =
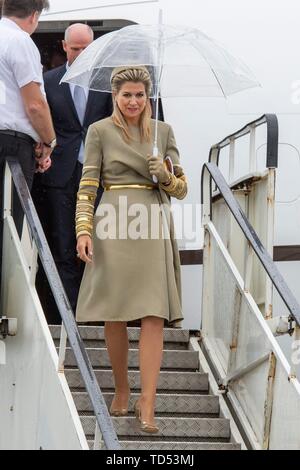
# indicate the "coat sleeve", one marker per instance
pixel 89 182
pixel 177 186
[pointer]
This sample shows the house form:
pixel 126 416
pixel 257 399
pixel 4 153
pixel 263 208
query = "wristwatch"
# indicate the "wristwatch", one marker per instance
pixel 52 144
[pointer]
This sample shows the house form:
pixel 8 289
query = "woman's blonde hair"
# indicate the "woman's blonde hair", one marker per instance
pixel 136 75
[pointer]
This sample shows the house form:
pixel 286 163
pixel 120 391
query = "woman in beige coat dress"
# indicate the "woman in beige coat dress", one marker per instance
pixel 132 263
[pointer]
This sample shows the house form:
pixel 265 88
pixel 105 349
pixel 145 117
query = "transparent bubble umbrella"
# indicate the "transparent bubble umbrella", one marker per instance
pixel 182 62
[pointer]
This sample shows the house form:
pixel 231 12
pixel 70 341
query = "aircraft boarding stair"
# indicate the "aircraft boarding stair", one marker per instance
pixel 188 413
pixel 56 383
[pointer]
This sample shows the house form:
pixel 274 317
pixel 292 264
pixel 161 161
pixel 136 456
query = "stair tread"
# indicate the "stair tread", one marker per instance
pixel 92 332
pixel 186 427
pixel 174 445
pixel 172 359
pixel 166 404
pixel 168 380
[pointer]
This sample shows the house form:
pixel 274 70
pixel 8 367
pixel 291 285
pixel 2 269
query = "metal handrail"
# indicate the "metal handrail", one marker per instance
pixel 101 413
pixel 211 171
pixel 272 140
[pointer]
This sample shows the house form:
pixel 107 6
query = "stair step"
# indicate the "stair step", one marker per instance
pixel 168 380
pixel 170 403
pixel 171 359
pixel 171 335
pixel 170 445
pixel 208 428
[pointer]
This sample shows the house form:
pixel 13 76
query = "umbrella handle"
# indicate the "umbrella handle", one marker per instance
pixel 155 154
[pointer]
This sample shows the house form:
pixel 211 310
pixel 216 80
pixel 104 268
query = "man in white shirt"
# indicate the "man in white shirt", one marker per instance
pixel 25 118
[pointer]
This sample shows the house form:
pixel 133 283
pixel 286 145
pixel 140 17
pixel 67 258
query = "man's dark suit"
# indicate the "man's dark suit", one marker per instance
pixel 55 191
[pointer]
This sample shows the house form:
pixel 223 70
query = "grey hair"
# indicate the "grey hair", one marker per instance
pixel 23 8
pixel 69 29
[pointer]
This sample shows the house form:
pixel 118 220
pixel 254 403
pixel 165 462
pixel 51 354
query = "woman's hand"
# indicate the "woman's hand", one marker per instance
pixel 85 248
pixel 158 169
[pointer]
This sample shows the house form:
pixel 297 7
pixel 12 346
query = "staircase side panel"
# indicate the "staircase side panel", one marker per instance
pixel 36 407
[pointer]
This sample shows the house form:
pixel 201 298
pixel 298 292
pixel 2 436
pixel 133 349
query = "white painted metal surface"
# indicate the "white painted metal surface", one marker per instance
pixel 224 410
pixel 2 353
pixel 248 375
pixel 254 198
pixel 36 406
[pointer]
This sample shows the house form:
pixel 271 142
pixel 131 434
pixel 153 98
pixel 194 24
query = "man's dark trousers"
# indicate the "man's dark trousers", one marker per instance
pixel 23 150
pixel 59 228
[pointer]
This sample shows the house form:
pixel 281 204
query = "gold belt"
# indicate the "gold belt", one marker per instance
pixel 129 186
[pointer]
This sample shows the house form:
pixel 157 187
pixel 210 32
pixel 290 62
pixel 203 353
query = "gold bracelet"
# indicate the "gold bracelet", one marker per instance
pixel 171 186
pixel 89 208
pixel 169 181
pixel 84 226
pixel 177 188
pixel 89 214
pixel 83 232
pixel 86 197
pixel 82 218
pixel 89 183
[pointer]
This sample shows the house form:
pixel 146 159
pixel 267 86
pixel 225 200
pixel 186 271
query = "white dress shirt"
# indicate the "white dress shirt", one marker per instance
pixel 86 91
pixel 20 64
pixel 72 86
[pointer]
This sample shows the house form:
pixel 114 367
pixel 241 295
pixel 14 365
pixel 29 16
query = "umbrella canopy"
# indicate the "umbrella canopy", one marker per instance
pixel 182 62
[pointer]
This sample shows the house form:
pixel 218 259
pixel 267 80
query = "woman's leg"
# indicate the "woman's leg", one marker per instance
pixel 117 344
pixel 151 351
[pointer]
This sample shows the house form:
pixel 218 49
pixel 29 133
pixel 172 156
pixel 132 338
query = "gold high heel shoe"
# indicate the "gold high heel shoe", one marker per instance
pixel 118 412
pixel 145 427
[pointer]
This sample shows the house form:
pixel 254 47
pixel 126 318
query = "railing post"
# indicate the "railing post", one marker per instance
pixel 206 197
pixel 7 207
pixel 33 264
pixel 294 361
pixel 98 442
pixel 248 268
pixel 269 401
pixel 252 154
pixel 231 160
pixel 62 349
pixel 270 239
pixel 235 330
pixel 207 283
